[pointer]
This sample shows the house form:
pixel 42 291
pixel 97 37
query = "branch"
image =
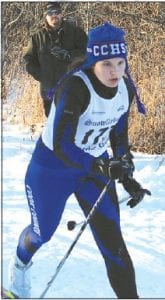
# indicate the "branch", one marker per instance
pixel 14 21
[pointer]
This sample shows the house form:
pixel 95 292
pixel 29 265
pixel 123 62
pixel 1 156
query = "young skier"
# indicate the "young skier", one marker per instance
pixel 90 109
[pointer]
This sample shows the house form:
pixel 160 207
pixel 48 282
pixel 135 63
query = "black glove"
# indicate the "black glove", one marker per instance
pixel 127 159
pixel 113 168
pixel 60 53
pixel 135 190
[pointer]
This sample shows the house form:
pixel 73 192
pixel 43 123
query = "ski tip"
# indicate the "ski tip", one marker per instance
pixel 5 294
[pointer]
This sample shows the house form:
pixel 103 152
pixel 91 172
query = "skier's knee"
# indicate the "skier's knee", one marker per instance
pixel 29 243
pixel 31 240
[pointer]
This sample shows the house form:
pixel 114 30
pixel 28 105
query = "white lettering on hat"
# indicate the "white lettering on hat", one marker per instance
pixel 108 49
pixel 104 49
pixel 96 51
pixel 114 49
pixel 123 48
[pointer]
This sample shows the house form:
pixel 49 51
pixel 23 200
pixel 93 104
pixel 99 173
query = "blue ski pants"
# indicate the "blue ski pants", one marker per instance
pixel 48 184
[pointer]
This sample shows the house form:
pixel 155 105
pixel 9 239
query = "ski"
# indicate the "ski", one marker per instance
pixel 6 294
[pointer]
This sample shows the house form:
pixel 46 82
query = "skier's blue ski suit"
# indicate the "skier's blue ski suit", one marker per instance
pixel 61 166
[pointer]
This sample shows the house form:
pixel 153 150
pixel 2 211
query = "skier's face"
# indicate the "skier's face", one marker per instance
pixel 110 71
pixel 54 18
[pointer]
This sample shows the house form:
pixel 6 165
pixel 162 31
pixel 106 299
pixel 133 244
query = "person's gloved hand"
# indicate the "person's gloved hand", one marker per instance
pixel 112 168
pixel 61 54
pixel 128 160
pixel 135 190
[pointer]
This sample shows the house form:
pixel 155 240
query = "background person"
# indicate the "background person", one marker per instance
pixel 51 49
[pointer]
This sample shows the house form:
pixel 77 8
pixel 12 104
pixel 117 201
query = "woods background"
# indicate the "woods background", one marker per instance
pixel 144 25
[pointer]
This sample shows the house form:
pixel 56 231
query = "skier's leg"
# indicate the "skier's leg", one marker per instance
pixel 47 195
pixel 46 205
pixel 105 227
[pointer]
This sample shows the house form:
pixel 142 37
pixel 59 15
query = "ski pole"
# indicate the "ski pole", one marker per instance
pixel 85 223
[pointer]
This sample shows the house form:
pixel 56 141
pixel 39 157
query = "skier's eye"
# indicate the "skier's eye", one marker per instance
pixel 121 62
pixel 106 64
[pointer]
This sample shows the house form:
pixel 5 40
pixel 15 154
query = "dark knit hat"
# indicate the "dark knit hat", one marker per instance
pixel 53 6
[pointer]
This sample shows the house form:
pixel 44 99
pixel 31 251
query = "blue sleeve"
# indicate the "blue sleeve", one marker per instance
pixel 68 110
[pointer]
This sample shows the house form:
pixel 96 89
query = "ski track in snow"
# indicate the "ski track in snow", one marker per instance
pixel 83 275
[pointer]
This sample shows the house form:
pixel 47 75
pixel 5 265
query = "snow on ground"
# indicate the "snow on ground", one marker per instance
pixel 83 275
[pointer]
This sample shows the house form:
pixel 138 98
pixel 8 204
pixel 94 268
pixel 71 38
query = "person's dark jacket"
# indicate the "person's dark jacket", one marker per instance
pixel 40 59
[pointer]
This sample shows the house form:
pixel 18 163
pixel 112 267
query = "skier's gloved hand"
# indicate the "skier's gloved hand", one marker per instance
pixel 127 159
pixel 135 190
pixel 113 168
pixel 60 53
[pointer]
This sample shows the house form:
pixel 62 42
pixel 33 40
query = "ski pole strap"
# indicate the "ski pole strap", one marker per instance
pixel 85 223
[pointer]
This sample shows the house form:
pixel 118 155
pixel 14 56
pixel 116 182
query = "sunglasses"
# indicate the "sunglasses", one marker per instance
pixel 54 12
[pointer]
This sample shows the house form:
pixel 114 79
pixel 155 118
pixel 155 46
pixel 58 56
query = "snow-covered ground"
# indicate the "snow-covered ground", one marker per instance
pixel 83 275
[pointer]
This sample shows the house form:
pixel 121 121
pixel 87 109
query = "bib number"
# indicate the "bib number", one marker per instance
pixel 96 138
